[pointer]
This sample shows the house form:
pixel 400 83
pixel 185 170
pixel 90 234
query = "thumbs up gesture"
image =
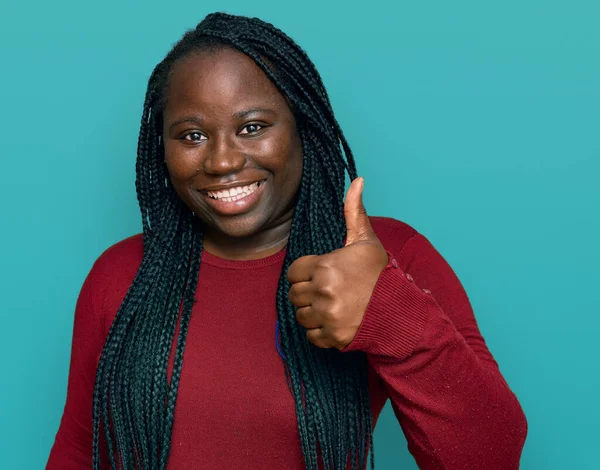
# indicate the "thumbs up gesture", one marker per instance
pixel 332 291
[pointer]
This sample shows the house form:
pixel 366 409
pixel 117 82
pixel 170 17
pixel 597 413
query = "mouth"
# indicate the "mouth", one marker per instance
pixel 236 200
pixel 234 194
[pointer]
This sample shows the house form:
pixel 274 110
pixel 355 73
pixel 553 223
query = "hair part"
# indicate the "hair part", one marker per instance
pixel 134 401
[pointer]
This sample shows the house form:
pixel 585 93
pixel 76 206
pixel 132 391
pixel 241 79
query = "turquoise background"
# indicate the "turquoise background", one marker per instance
pixel 477 123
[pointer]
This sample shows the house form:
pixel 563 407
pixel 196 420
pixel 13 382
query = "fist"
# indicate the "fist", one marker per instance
pixel 331 292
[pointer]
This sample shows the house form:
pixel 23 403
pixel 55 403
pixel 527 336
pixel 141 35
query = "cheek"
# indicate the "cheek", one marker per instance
pixel 181 164
pixel 283 156
pixel 293 165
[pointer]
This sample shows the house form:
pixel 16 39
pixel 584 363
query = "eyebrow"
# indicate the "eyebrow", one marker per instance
pixel 247 112
pixel 239 115
pixel 191 119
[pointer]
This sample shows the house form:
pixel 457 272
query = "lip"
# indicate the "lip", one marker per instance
pixel 235 207
pixel 233 184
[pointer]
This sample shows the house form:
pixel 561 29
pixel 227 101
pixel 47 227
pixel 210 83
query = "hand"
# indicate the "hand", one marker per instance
pixel 332 291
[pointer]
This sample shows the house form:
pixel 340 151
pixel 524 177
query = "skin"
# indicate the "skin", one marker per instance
pixel 208 146
pixel 225 122
pixel 332 291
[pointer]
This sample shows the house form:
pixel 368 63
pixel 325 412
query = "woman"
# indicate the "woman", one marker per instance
pixel 262 319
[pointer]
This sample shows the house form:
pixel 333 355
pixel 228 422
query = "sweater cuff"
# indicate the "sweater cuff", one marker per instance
pixel 395 317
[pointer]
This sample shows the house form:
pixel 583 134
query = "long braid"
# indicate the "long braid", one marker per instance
pixel 134 400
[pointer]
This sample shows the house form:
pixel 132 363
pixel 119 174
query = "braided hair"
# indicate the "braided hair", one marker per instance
pixel 134 399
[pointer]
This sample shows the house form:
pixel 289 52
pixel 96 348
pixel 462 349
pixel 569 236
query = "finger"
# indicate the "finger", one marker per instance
pixel 306 317
pixel 301 294
pixel 317 337
pixel 358 226
pixel 301 269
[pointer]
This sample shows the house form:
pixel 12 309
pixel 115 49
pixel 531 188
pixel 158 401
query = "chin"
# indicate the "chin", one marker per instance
pixel 235 229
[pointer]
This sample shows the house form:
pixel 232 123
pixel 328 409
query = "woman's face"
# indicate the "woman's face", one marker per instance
pixel 231 145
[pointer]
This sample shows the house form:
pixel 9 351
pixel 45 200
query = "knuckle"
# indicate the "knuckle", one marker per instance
pixel 327 289
pixel 325 308
pixel 332 313
pixel 332 342
pixel 324 262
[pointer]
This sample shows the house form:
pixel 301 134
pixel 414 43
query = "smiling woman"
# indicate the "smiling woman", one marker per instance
pixel 262 319
pixel 234 132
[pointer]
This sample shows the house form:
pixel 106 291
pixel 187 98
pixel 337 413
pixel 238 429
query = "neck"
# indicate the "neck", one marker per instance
pixel 260 245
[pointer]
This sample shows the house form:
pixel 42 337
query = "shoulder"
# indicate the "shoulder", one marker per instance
pixel 112 274
pixel 107 283
pixel 393 234
pixel 409 246
pixel 122 258
pixel 416 255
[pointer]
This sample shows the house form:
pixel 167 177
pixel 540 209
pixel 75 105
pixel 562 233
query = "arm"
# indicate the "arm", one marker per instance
pixel 72 449
pixel 447 392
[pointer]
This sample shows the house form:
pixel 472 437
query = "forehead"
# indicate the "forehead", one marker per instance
pixel 224 79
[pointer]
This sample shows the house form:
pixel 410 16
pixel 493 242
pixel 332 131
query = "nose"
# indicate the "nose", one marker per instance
pixel 223 156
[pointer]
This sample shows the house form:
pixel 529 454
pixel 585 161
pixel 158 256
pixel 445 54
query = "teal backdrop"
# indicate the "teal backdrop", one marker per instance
pixel 476 122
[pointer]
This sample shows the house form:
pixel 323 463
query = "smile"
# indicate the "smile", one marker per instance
pixel 234 194
pixel 236 200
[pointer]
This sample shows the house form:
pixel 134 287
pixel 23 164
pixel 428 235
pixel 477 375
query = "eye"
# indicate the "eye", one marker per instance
pixel 251 129
pixel 193 137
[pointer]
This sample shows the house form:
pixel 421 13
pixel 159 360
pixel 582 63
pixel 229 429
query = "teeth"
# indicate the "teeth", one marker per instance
pixel 233 194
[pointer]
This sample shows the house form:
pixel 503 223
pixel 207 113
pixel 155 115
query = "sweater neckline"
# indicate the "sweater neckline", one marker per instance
pixel 219 262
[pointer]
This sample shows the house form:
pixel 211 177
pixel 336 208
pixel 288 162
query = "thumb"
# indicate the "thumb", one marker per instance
pixel 358 227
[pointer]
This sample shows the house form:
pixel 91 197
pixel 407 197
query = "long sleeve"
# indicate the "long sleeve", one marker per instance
pixel 421 337
pixel 72 449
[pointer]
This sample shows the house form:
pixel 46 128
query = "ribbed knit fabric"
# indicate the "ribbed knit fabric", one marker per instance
pixel 234 410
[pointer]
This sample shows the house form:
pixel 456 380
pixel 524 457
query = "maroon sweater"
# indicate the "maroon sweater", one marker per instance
pixel 234 409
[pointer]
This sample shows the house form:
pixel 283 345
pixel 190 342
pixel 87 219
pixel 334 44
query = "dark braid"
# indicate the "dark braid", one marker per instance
pixel 134 401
